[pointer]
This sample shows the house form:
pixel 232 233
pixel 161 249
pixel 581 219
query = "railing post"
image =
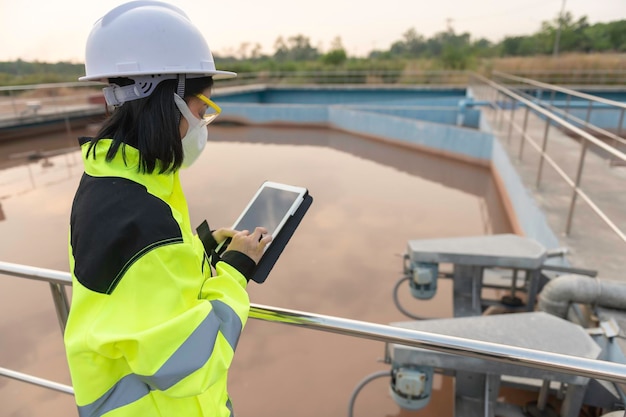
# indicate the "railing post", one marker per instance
pixel 588 116
pixel 513 103
pixel 523 140
pixel 618 133
pixel 542 401
pixel 567 104
pixel 579 173
pixel 15 111
pixel 544 144
pixel 61 303
pixel 501 111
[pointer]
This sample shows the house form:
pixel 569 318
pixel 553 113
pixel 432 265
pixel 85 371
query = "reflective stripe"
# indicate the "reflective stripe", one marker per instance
pixel 127 390
pixel 198 348
pixel 188 358
pixel 229 405
pixel 230 322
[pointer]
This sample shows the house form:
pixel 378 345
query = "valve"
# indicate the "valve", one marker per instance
pixel 411 386
pixel 423 282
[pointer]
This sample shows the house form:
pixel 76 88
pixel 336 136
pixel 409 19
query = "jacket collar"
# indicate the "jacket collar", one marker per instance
pixel 125 164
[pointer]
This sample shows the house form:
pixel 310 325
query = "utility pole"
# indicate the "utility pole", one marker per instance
pixel 555 51
pixel 449 25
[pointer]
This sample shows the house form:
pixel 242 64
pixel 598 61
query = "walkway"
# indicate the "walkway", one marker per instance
pixel 591 244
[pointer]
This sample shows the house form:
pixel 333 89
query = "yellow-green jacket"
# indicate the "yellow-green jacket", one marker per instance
pixel 150 331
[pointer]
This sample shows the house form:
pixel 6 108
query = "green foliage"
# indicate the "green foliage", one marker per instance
pixel 23 73
pixel 573 36
pixel 335 58
pixel 446 50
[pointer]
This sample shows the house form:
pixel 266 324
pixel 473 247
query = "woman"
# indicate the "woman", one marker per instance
pixel 153 324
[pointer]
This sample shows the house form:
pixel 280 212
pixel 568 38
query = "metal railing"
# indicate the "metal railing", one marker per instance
pixel 599 104
pixel 24 103
pixel 493 92
pixel 343 77
pixel 566 364
pixel 35 103
pixel 578 77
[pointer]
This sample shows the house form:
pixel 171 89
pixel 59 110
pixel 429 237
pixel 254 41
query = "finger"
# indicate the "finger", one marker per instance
pixel 266 239
pixel 261 230
pixel 258 233
pixel 223 234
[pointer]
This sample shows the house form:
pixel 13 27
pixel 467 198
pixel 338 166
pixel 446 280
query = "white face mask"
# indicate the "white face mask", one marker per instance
pixel 197 134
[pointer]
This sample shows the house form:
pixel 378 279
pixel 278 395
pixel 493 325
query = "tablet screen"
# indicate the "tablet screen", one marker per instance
pixel 269 209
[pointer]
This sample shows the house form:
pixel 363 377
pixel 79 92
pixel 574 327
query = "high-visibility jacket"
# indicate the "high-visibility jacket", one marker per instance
pixel 150 331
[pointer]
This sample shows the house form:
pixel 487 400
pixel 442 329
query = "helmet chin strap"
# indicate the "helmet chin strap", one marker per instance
pixel 143 86
pixel 180 90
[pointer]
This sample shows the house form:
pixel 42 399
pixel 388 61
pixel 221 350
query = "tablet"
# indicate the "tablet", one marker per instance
pixel 270 207
pixel 279 208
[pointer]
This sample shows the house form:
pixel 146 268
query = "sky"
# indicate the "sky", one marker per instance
pixel 52 31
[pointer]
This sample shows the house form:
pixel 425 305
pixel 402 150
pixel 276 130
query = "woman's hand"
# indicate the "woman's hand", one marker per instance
pixel 251 244
pixel 222 234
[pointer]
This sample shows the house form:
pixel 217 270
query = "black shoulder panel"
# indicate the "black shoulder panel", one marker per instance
pixel 113 222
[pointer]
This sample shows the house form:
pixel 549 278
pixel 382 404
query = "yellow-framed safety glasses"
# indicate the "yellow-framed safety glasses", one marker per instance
pixel 212 112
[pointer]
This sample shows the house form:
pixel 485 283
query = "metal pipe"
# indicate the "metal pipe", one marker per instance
pixel 573 365
pixel 36 381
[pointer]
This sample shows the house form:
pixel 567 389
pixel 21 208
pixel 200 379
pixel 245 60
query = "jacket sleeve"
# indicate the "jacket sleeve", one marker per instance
pixel 242 263
pixel 175 326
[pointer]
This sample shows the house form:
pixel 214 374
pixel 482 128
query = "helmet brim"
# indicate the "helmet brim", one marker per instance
pixel 217 75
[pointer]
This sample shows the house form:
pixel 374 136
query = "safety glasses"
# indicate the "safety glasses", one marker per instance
pixel 212 112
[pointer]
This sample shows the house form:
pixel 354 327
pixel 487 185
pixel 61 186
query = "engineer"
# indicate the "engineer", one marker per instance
pixel 153 325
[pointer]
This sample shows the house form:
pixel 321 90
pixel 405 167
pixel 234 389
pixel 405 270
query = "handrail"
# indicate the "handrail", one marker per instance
pixel 567 364
pixel 578 77
pixel 589 126
pixel 575 184
pixel 19 376
pixel 564 90
pixel 52 85
pixel 552 117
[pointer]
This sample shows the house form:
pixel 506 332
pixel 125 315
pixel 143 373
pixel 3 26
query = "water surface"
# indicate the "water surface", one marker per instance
pixel 369 200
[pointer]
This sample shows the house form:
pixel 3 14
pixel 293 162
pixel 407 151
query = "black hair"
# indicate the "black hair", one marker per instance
pixel 150 125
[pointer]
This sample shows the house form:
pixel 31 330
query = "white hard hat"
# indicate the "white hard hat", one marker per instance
pixel 147 41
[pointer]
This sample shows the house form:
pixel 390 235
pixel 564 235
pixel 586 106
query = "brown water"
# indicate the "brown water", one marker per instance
pixel 344 260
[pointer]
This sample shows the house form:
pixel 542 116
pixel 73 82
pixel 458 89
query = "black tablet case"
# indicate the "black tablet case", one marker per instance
pixel 270 257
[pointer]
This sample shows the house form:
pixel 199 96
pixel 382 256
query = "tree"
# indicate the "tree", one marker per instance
pixel 297 48
pixel 301 50
pixel 337 54
pixel 412 45
pixel 256 51
pixel 281 51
